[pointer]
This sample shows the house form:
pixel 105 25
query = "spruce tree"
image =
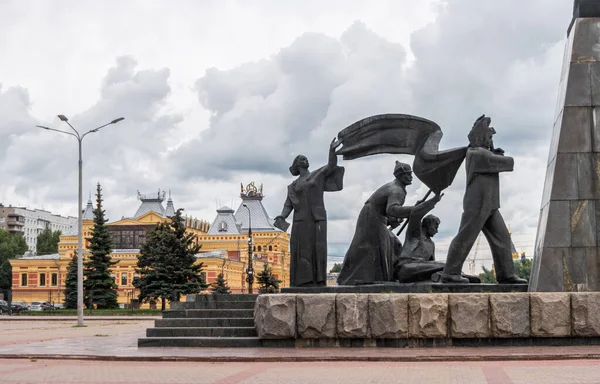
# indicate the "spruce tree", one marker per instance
pixel 167 265
pixel 99 286
pixel 71 284
pixel 220 287
pixel 267 282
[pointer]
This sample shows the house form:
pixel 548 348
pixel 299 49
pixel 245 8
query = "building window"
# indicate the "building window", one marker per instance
pixel 222 226
pixel 123 278
pixel 270 247
pixel 259 248
pixel 42 279
pixel 54 279
pixel 23 279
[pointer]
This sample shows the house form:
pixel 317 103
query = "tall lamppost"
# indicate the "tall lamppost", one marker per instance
pixel 79 206
pixel 250 269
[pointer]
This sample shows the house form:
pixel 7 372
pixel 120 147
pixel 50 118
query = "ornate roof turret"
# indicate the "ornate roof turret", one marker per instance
pixel 252 198
pixel 170 210
pixel 151 204
pixel 225 223
pixel 88 213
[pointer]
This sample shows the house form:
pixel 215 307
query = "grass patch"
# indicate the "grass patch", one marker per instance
pixel 95 312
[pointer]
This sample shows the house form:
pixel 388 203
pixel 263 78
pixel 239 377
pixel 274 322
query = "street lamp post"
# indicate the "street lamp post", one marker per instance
pixel 79 206
pixel 250 269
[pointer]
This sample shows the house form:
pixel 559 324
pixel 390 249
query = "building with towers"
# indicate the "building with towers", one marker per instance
pixel 224 248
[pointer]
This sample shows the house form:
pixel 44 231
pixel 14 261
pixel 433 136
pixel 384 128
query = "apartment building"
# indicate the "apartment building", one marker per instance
pixel 31 222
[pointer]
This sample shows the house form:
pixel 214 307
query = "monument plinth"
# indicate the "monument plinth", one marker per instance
pixel 567 256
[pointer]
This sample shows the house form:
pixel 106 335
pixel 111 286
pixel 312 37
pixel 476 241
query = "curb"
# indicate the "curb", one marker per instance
pixel 88 318
pixel 284 359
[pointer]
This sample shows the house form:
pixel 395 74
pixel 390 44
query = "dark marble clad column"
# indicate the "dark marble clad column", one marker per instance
pixel 566 252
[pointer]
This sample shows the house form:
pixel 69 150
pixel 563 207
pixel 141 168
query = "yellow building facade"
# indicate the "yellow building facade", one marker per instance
pixel 224 249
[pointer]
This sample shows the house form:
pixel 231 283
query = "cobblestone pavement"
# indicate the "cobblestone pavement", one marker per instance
pixel 105 372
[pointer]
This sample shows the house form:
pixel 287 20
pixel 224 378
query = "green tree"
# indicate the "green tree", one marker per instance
pixel 523 268
pixel 220 287
pixel 11 246
pixel 267 282
pixel 99 286
pixel 71 284
pixel 47 242
pixel 167 265
pixel 337 268
pixel 488 276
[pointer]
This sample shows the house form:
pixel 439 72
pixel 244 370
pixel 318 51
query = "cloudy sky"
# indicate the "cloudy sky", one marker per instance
pixel 218 93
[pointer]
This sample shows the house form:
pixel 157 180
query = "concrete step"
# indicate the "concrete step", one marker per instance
pixel 231 297
pixel 197 322
pixel 221 342
pixel 202 332
pixel 208 313
pixel 214 305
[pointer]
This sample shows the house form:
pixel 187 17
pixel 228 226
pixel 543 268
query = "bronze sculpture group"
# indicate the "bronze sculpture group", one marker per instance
pixel 376 254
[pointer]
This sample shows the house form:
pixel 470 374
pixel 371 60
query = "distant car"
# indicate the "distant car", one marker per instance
pixel 21 304
pixel 48 307
pixel 37 306
pixel 3 307
pixel 17 307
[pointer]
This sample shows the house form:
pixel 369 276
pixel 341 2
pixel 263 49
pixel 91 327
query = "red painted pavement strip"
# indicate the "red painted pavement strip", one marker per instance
pixel 495 375
pixel 245 374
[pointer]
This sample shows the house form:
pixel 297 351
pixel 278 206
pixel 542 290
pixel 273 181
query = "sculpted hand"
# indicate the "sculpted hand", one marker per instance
pixel 334 144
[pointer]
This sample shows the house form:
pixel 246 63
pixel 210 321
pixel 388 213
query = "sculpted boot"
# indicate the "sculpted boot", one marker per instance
pixel 513 279
pixel 456 279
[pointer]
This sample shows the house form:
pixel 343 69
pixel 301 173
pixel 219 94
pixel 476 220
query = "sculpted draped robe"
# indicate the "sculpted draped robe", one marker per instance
pixel 308 242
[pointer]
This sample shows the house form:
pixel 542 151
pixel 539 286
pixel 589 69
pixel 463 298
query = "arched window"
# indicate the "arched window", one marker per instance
pixel 270 247
pixel 222 226
pixel 259 248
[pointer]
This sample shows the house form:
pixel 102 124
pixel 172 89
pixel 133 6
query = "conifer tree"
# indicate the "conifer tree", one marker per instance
pixel 71 284
pixel 167 265
pixel 267 282
pixel 99 286
pixel 220 287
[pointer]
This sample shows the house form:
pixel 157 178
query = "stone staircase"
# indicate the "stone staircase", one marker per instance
pixel 206 321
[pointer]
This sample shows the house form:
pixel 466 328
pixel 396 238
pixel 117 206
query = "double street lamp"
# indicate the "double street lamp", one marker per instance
pixel 80 210
pixel 250 269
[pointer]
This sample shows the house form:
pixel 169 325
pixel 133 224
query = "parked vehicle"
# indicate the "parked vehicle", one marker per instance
pixel 18 307
pixel 37 306
pixel 48 307
pixel 3 307
pixel 21 304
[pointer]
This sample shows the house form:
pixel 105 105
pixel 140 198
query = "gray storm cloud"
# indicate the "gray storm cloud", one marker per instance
pixel 498 58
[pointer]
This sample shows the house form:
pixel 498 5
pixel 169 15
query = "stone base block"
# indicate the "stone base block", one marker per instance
pixel 388 316
pixel 585 314
pixel 428 315
pixel 509 315
pixel 550 314
pixel 352 315
pixel 469 315
pixel 275 316
pixel 316 316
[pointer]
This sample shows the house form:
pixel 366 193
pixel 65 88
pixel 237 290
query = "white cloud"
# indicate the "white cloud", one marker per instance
pixel 218 93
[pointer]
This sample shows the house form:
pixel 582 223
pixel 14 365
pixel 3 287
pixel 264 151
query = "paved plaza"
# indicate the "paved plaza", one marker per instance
pixel 35 350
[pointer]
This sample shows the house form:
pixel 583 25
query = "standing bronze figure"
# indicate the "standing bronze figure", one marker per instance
pixel 480 208
pixel 308 242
